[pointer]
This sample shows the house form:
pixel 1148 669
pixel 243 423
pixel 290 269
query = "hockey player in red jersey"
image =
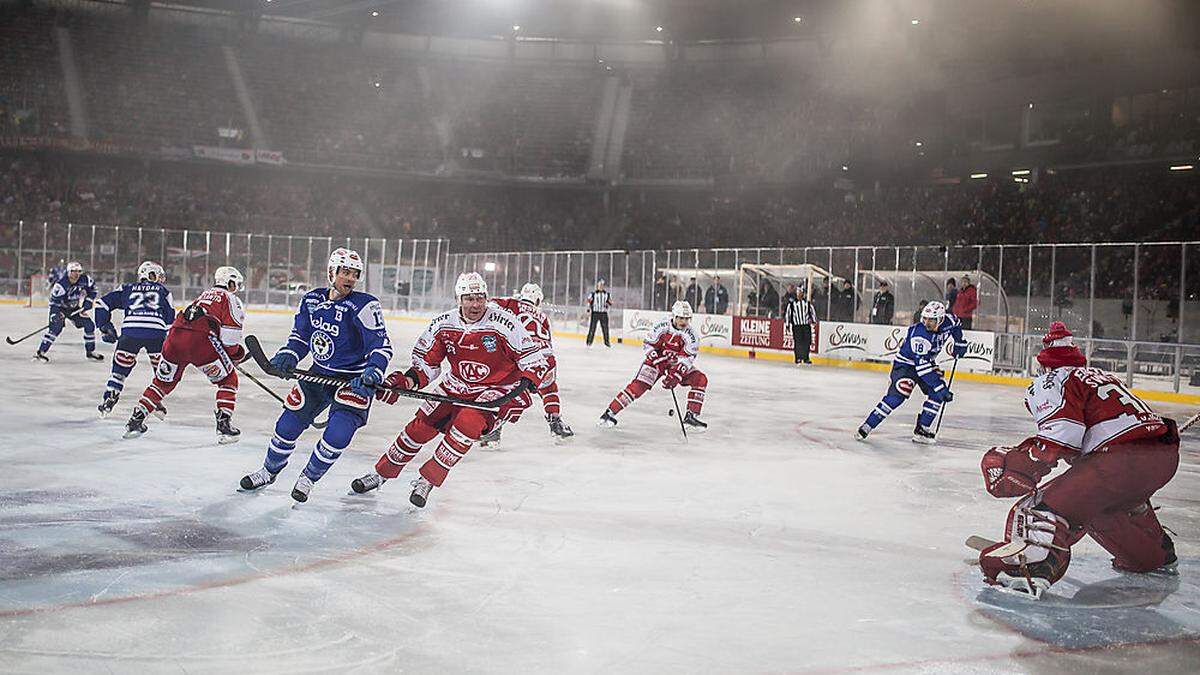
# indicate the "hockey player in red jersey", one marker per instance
pixel 208 335
pixel 671 350
pixel 527 308
pixel 1120 453
pixel 489 352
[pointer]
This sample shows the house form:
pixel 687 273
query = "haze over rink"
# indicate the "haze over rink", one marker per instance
pixel 773 542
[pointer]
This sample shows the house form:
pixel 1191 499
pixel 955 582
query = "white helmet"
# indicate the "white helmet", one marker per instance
pixel 149 267
pixel 226 274
pixel 681 310
pixel 531 292
pixel 934 310
pixel 469 283
pixel 74 267
pixel 343 257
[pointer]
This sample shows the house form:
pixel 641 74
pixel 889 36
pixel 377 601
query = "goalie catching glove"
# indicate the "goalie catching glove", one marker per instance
pixel 1014 472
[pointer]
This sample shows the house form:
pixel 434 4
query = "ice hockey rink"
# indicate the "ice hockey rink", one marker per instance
pixel 773 543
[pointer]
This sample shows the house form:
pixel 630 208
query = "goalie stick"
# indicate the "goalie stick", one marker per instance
pixel 260 357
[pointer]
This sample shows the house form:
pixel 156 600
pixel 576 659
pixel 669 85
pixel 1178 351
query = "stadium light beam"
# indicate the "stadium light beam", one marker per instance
pixel 797 19
pixel 978 175
pixel 1021 172
pixel 374 13
pixel 1183 167
pixel 489 266
pixel 915 22
pixel 658 29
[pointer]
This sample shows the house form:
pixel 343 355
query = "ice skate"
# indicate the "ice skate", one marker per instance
pixel 558 427
pixel 923 436
pixel 94 356
pixel 367 483
pixel 420 493
pixel 136 426
pixel 864 430
pixel 40 357
pixel 110 401
pixel 257 479
pixel 607 420
pixel 226 432
pixel 692 421
pixel 1170 568
pixel 303 486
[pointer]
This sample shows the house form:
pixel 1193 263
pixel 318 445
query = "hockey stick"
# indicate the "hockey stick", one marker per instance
pixel 260 357
pixel 1188 424
pixel 277 397
pixel 678 414
pixel 942 412
pixel 23 338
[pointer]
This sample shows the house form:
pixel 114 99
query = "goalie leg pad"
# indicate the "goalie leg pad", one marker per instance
pixel 1037 545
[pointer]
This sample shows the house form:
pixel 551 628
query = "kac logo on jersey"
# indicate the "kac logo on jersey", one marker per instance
pixel 473 371
pixel 489 343
pixel 322 346
pixel 921 346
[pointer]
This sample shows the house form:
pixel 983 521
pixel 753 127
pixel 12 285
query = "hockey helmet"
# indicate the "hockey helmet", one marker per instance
pixel 343 257
pixel 470 283
pixel 681 310
pixel 532 293
pixel 149 267
pixel 934 310
pixel 74 266
pixel 226 274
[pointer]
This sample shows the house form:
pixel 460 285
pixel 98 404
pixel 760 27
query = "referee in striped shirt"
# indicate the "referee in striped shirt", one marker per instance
pixel 799 315
pixel 598 303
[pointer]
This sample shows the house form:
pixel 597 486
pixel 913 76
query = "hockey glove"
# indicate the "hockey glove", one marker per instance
pixel 237 352
pixel 109 334
pixel 948 396
pixel 364 385
pixel 193 312
pixel 284 363
pixel 1012 472
pixel 397 380
pixel 674 376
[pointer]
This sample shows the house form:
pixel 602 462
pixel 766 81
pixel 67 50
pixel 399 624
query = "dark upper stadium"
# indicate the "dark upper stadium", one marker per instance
pixel 549 125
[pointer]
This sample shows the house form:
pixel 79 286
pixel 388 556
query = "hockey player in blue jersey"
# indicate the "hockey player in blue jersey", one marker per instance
pixel 343 330
pixel 71 297
pixel 149 310
pixel 914 366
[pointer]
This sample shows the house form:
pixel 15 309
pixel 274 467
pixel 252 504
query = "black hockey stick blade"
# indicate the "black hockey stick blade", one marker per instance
pixel 23 338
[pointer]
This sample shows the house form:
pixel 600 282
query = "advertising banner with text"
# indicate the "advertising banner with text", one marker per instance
pixel 759 332
pixel 869 342
pixel 714 330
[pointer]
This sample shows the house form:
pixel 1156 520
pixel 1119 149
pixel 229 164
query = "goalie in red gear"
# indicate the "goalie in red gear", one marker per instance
pixel 208 335
pixel 671 350
pixel 489 352
pixel 527 309
pixel 1120 453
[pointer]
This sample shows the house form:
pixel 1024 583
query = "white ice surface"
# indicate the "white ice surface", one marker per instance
pixel 773 543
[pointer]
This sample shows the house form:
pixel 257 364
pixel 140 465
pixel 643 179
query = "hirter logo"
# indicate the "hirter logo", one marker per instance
pixel 473 371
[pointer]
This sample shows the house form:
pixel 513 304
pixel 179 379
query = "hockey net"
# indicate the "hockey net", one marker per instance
pixel 37 291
